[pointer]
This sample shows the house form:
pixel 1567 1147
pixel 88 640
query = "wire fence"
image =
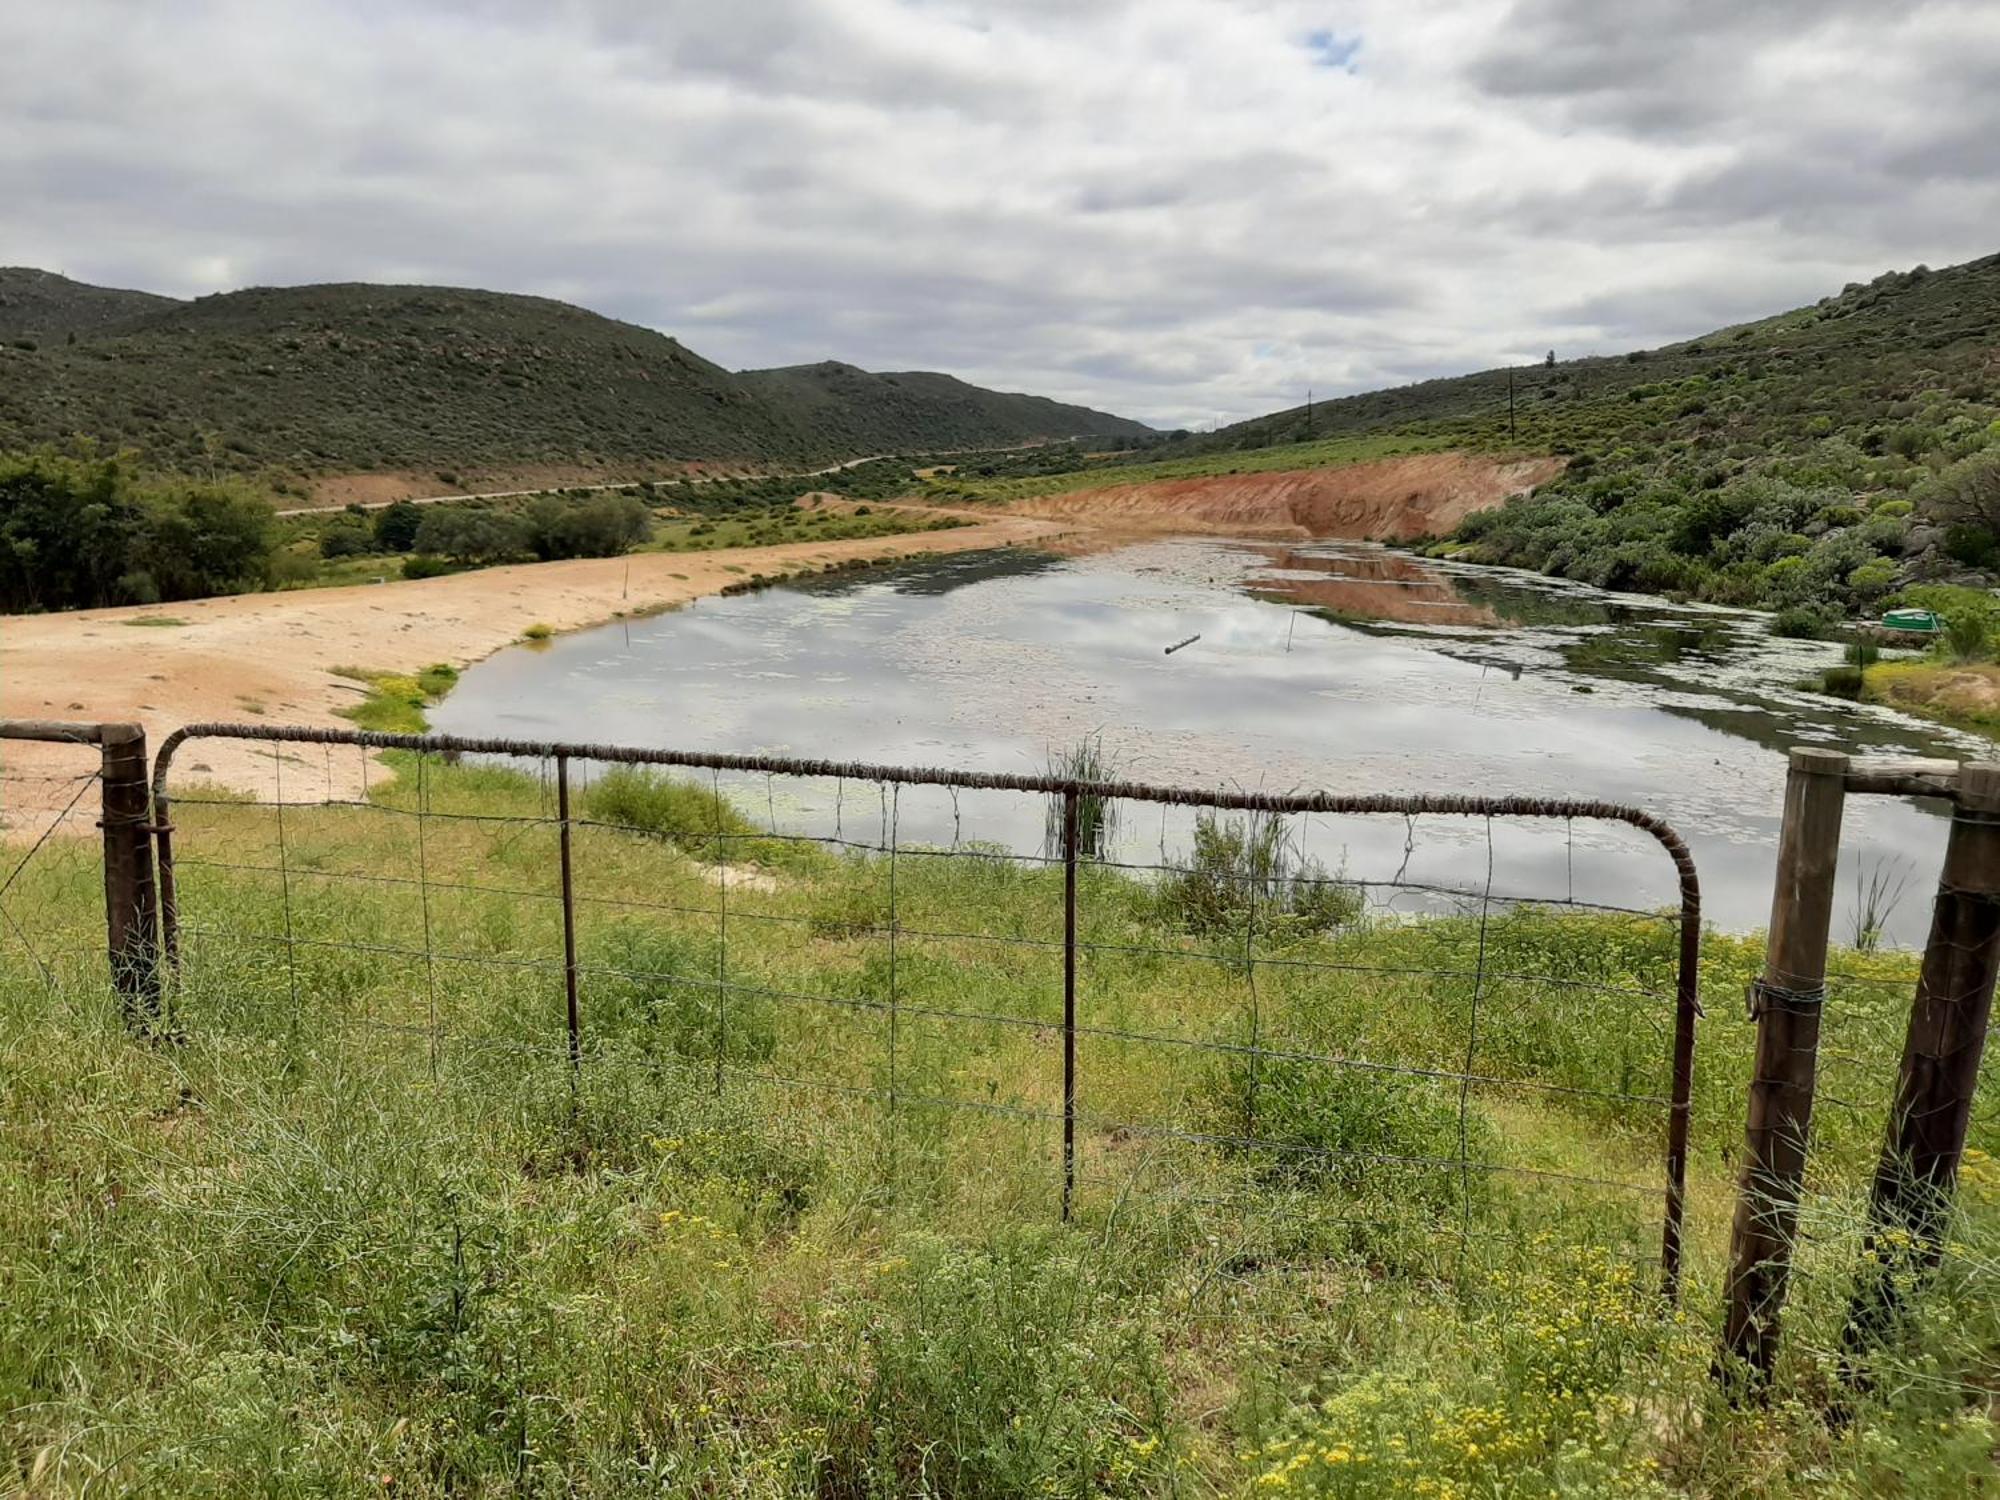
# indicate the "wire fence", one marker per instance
pixel 1072 1013
pixel 51 883
pixel 1841 1260
pixel 1037 993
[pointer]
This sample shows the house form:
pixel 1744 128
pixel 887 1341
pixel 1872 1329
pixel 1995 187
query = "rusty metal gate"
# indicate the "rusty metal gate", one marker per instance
pixel 459 850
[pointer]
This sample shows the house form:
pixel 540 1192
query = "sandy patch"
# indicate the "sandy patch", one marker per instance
pixel 1387 500
pixel 270 658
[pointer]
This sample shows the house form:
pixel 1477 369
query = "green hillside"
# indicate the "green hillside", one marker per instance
pixel 37 305
pixel 872 412
pixel 1814 460
pixel 342 378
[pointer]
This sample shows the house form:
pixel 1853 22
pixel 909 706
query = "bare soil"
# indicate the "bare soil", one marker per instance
pixel 272 657
pixel 1387 500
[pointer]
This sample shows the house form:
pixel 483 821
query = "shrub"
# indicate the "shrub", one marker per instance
pixel 1873 578
pixel 1966 637
pixel 683 813
pixel 346 536
pixel 654 989
pixel 421 566
pixel 1244 865
pixel 538 632
pixel 992 1369
pixel 1805 622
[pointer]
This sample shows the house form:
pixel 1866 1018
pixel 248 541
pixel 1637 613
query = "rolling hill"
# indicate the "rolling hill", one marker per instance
pixel 36 305
pixel 1810 462
pixel 361 378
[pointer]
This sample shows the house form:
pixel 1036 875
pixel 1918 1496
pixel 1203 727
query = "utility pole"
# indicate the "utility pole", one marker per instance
pixel 1309 413
pixel 1510 403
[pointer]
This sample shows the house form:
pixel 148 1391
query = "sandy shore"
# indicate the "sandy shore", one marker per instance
pixel 271 657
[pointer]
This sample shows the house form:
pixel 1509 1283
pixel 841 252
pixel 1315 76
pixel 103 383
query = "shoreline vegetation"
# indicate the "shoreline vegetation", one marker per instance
pixel 361 1229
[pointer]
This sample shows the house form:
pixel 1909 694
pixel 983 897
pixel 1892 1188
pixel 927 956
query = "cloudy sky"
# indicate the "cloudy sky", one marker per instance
pixel 1176 209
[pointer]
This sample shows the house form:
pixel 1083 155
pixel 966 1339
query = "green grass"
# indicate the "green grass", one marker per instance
pixel 395 702
pixel 1322 454
pixel 704 518
pixel 155 622
pixel 362 1231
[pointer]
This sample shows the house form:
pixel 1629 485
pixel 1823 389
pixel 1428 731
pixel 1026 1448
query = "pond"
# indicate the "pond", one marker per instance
pixel 1343 667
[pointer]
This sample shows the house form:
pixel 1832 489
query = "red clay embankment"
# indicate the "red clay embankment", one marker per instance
pixel 1385 500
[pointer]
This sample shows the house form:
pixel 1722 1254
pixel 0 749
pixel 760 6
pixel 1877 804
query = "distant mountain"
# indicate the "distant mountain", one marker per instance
pixel 880 412
pixel 42 305
pixel 356 377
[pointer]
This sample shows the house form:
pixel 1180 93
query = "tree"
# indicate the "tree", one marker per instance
pixel 470 535
pixel 396 526
pixel 204 539
pixel 1968 493
pixel 601 526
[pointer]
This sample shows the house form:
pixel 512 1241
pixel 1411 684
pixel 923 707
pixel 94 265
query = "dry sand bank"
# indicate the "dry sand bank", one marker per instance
pixel 271 657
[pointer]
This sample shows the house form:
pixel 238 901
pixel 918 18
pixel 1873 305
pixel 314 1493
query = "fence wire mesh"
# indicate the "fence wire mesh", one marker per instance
pixel 1843 1259
pixel 51 875
pixel 1204 1007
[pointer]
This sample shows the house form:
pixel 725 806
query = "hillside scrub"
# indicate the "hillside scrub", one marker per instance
pixel 1817 458
pixel 363 1230
pixel 312 380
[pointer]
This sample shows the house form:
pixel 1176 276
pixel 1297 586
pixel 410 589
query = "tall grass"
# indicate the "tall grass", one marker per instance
pixel 366 1232
pixel 1246 868
pixel 1096 817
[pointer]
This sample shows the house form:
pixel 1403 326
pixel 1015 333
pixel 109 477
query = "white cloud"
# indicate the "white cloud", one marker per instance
pixel 1172 208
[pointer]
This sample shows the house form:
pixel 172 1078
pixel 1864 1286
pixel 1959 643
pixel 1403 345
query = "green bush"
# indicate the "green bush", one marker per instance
pixel 993 1369
pixel 1805 622
pixel 1873 578
pixel 1244 868
pixel 1967 637
pixel 643 800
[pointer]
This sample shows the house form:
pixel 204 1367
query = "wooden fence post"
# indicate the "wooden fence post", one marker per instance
pixel 131 900
pixel 1785 1003
pixel 1911 1201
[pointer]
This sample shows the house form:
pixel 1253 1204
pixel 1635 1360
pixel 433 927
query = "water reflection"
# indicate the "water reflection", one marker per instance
pixel 1345 668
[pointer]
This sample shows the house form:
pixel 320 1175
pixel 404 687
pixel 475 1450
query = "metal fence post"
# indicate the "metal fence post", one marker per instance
pixel 131 900
pixel 574 1019
pixel 1069 1000
pixel 1785 1003
pixel 1914 1182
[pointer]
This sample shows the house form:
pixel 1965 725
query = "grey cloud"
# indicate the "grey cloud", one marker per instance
pixel 1159 206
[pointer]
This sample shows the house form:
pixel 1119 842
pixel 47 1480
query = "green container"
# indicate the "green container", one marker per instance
pixel 1919 621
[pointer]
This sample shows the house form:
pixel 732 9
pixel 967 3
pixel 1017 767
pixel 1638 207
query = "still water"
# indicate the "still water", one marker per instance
pixel 1341 667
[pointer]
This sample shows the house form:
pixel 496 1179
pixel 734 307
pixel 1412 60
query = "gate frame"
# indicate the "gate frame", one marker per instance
pixel 1687 1005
